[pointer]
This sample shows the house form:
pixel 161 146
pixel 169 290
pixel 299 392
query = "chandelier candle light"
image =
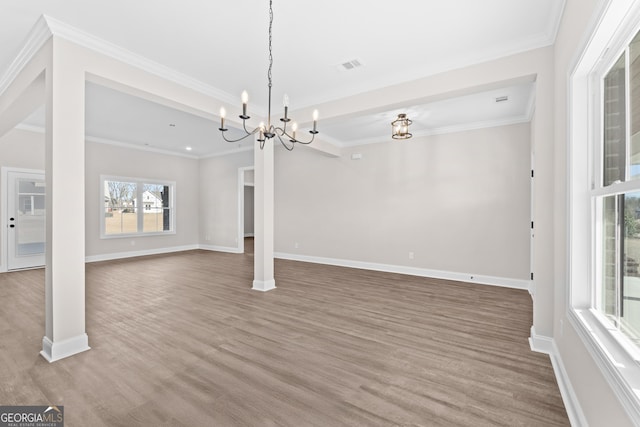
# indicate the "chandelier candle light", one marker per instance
pixel 270 131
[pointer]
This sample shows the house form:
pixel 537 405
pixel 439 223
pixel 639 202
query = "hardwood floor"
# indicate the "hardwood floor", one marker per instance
pixel 181 340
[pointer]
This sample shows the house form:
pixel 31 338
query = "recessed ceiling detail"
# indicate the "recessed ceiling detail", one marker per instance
pixel 180 50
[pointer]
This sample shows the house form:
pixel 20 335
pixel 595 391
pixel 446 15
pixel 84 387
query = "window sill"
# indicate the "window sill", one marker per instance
pixel 617 358
pixel 133 235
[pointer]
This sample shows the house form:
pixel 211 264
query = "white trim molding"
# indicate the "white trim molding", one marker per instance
pixel 215 248
pixel 412 271
pixel 38 36
pixel 89 41
pixel 131 254
pixel 547 345
pixel 159 251
pixel 540 343
pixel 264 285
pixel 615 362
pixel 53 351
pixel 611 27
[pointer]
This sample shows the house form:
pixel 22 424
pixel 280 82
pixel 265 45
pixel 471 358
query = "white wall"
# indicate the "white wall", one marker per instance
pixel 102 159
pixel 460 202
pixel 219 199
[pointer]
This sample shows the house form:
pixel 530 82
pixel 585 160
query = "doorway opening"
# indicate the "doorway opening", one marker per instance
pixel 245 209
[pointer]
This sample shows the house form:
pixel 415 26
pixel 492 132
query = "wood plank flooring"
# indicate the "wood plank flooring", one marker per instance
pixel 181 340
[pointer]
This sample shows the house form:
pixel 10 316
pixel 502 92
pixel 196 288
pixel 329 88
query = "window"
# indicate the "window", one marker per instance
pixel 617 199
pixel 604 199
pixel 121 202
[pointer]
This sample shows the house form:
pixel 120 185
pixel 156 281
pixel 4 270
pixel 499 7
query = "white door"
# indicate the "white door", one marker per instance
pixel 26 220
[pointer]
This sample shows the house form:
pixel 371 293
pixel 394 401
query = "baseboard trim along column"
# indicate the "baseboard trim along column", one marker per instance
pixel 547 345
pixel 53 351
pixel 264 286
pixel 539 343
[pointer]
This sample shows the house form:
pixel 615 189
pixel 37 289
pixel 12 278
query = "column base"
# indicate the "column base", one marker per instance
pixel 53 351
pixel 264 285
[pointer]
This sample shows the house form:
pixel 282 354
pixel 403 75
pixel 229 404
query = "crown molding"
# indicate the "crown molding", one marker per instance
pixel 150 149
pixel 553 25
pixel 106 141
pixel 91 42
pixel 39 34
pixel 46 27
pixel 227 152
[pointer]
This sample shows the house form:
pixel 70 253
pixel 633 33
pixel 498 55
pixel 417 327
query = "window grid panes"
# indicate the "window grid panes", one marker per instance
pixel 617 202
pixel 137 207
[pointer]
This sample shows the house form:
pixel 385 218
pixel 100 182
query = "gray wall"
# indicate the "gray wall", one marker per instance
pixel 102 159
pixel 459 202
pixel 248 210
pixel 219 199
pixel 23 149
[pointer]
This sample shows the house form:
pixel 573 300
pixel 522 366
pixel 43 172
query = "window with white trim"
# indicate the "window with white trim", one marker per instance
pixel 616 197
pixel 132 206
pixel 604 199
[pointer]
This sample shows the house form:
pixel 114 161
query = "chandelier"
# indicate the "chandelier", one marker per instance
pixel 400 127
pixel 270 131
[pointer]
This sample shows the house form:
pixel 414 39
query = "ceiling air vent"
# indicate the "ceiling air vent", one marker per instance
pixel 350 65
pixel 502 98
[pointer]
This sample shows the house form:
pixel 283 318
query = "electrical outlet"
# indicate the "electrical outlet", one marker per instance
pixel 410 255
pixel 296 245
pixel 133 243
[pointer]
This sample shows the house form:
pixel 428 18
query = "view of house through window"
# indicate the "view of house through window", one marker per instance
pixel 132 207
pixel 155 199
pixel 618 200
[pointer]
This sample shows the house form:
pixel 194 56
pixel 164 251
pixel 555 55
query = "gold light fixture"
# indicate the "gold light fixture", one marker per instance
pixel 400 127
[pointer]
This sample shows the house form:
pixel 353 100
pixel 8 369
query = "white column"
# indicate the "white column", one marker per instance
pixel 65 204
pixel 263 234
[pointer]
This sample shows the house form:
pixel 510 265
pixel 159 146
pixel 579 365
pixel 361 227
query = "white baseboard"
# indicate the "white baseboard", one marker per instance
pixel 131 254
pixel 540 343
pixel 264 285
pixel 413 271
pixel 215 248
pixel 532 290
pixel 57 350
pixel 547 345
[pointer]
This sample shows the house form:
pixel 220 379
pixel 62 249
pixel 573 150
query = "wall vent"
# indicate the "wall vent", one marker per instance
pixel 350 65
pixel 502 98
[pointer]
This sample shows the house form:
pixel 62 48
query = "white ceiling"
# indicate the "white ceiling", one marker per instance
pixel 224 47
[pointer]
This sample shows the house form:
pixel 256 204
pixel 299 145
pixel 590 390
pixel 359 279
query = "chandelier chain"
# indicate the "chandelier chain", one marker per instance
pixel 270 39
pixel 269 131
